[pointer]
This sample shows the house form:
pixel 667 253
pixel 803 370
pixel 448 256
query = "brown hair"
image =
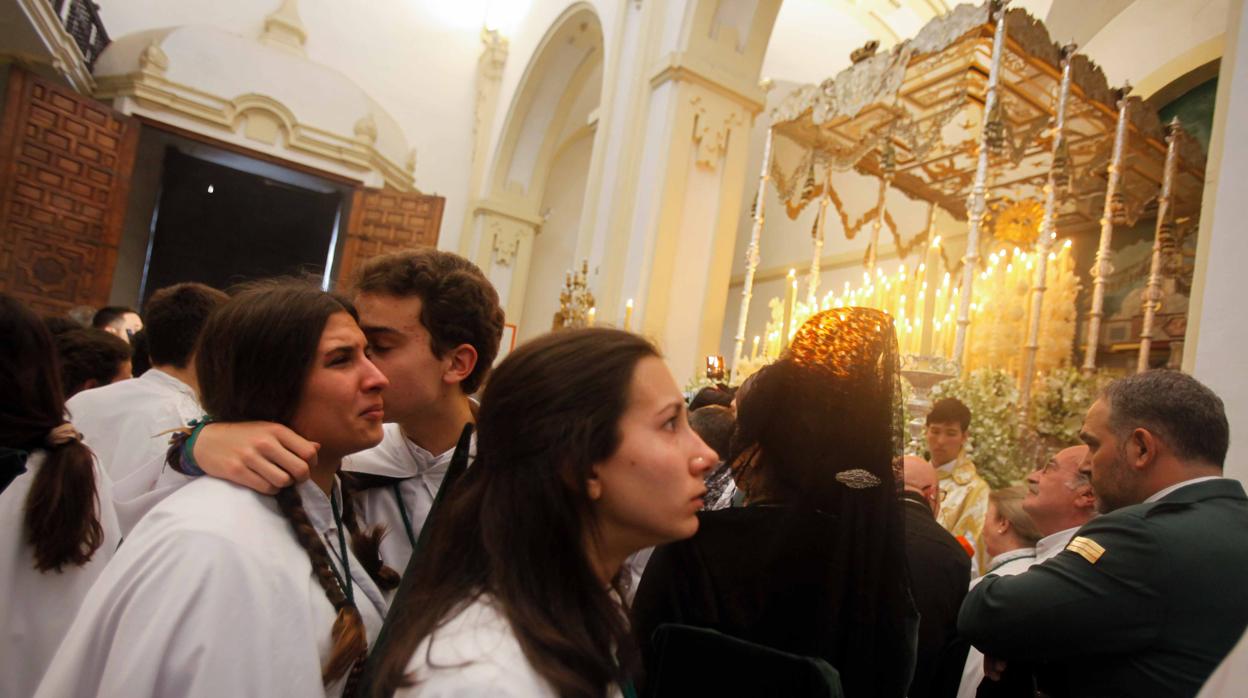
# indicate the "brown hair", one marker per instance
pixel 174 316
pixel 550 412
pixel 89 354
pixel 1009 502
pixel 61 518
pixel 458 304
pixel 254 357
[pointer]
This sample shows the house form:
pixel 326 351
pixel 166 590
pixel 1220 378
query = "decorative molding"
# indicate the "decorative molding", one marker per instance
pixel 710 131
pixel 684 67
pixel 256 117
pixel 67 58
pixel 506 241
pixel 284 29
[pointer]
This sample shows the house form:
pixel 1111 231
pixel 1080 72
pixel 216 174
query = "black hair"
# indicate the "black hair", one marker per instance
pixel 109 314
pixel 950 410
pixel 1176 408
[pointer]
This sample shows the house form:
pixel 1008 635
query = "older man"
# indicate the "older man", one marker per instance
pixel 1059 500
pixel 1146 599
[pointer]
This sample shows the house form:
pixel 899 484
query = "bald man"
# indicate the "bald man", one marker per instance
pixel 1059 500
pixel 940 572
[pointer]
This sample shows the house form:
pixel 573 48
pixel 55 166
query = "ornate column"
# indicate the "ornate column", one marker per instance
pixel 978 200
pixel 1058 160
pixel 751 254
pixel 816 255
pixel 1104 265
pixel 488 83
pixel 1161 240
pixel 888 164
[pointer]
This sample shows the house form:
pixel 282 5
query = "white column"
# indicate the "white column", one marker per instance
pixel 1216 334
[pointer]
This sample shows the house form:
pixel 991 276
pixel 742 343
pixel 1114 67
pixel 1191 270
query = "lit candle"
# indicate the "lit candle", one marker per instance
pixel 628 315
pixel 592 313
pixel 790 305
pixel 754 352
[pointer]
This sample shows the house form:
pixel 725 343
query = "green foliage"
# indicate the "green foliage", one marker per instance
pixel 1060 401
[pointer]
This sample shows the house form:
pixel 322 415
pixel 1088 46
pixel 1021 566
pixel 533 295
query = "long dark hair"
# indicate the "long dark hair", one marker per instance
pixel 62 518
pixel 821 430
pixel 516 527
pixel 254 356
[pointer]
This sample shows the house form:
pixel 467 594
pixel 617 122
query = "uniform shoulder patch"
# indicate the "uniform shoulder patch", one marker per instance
pixel 1086 548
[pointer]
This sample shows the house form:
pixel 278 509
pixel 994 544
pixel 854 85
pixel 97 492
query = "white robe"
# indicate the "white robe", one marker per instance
pixel 122 422
pixel 422 473
pixel 211 595
pixel 36 608
pixel 474 654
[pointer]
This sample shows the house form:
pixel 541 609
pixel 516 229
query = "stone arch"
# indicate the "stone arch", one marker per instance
pixel 527 221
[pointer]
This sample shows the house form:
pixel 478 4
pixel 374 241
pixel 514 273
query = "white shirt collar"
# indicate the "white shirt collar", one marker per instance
pixel 1054 543
pixel 155 375
pixel 1162 493
pixel 1009 556
pixel 948 467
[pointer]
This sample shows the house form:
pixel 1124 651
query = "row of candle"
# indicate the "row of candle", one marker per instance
pixel 592 315
pixel 923 304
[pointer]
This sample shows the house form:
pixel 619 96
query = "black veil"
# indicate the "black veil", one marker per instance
pixel 822 429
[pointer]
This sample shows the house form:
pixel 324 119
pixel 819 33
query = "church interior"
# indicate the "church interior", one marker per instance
pixel 1038 191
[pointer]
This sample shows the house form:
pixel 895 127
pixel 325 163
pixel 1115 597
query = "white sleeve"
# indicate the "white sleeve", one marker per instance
pixel 188 614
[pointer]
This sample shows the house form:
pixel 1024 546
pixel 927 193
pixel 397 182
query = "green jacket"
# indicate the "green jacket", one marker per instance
pixel 1152 615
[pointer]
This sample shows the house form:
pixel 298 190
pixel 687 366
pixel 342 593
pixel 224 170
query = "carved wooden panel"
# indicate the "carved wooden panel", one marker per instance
pixel 385 220
pixel 65 163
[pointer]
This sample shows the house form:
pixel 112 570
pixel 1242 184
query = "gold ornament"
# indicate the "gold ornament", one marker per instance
pixel 1018 222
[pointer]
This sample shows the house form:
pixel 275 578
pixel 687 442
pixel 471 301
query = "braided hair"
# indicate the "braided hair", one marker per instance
pixel 240 382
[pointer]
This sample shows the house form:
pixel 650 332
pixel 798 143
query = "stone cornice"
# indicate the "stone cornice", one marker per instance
pixel 684 67
pixel 156 95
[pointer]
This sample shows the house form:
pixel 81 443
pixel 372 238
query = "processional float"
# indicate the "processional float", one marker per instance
pixel 980 115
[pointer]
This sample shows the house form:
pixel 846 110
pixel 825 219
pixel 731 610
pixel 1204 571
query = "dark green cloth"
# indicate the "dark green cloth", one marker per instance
pixel 703 662
pixel 1153 616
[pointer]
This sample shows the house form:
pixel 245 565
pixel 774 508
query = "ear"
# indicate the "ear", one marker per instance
pixel 463 359
pixel 89 383
pixel 593 485
pixel 1085 498
pixel 1142 448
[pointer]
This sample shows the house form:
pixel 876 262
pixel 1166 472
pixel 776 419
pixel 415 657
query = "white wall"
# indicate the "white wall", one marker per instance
pixel 1216 333
pixel 554 246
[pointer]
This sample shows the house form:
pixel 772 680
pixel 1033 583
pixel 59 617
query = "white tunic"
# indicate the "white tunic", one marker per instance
pixel 211 595
pixel 422 473
pixel 36 608
pixel 475 654
pixel 122 423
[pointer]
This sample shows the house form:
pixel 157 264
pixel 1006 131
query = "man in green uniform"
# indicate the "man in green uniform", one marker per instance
pixel 1148 598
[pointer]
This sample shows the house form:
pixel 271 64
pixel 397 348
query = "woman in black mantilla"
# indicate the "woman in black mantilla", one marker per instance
pixel 814 564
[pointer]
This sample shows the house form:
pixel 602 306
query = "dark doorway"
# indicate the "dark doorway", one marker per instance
pixel 220 226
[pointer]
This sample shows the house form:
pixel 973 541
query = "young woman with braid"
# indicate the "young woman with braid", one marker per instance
pixel 212 593
pixel 584 457
pixel 57 525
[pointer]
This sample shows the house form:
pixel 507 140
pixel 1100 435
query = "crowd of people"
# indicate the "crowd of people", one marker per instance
pixel 300 493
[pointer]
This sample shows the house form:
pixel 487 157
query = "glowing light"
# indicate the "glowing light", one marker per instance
pixel 936 241
pixel 210 189
pixel 1066 244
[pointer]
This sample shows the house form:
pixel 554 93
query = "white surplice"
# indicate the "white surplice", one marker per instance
pixel 211 595
pixel 421 474
pixel 475 653
pixel 37 608
pixel 123 423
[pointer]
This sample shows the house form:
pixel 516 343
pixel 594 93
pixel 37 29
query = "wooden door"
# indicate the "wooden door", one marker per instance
pixel 65 162
pixel 385 220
